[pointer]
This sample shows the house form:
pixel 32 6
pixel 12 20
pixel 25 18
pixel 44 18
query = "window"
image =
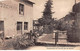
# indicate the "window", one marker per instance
pixel 21 9
pixel 25 25
pixel 19 25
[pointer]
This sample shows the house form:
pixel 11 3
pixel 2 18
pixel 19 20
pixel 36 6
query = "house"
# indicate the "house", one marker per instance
pixel 16 17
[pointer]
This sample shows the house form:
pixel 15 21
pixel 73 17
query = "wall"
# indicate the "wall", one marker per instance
pixel 10 15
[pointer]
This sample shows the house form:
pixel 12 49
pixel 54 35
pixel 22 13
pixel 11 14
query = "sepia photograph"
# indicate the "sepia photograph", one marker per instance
pixel 39 24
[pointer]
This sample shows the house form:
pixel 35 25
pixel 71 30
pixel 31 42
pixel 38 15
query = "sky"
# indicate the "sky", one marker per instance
pixel 60 7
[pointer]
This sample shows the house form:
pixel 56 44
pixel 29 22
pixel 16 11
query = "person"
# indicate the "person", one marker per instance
pixel 30 35
pixel 33 37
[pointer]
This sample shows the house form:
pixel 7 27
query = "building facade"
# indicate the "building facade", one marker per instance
pixel 16 17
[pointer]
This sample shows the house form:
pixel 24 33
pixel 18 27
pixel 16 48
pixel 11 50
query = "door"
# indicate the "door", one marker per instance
pixel 1 29
pixel 19 27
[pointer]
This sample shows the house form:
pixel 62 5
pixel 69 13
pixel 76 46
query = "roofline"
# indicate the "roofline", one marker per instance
pixel 30 2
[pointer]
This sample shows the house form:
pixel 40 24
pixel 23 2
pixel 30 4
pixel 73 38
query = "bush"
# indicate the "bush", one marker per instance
pixel 19 42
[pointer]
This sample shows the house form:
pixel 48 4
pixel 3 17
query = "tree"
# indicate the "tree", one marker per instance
pixel 47 15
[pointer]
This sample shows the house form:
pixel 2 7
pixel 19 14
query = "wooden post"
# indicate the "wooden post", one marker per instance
pixel 56 37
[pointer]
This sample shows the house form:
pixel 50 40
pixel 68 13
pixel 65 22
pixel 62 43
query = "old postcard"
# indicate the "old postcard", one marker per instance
pixel 39 25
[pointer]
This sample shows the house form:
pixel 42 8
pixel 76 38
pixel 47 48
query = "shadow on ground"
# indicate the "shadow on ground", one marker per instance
pixel 41 44
pixel 60 45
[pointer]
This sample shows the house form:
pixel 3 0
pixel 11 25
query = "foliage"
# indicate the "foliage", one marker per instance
pixel 19 42
pixel 47 14
pixel 65 23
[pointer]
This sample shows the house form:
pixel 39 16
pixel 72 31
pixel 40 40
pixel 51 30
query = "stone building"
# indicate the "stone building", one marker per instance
pixel 16 17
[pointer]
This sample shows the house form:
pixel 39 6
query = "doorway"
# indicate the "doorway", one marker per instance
pixel 1 29
pixel 19 27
